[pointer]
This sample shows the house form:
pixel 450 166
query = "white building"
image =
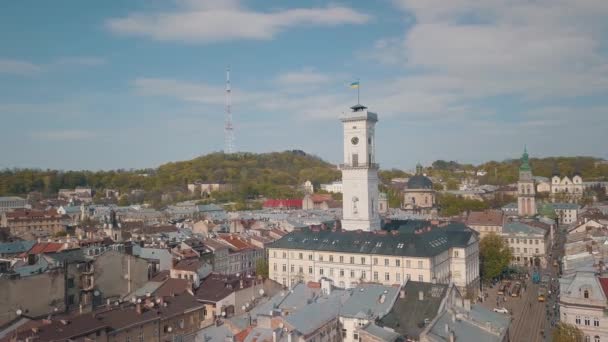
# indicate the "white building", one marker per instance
pixel 333 187
pixel 569 188
pixel 360 171
pixel 566 212
pixel 582 303
pixel 12 202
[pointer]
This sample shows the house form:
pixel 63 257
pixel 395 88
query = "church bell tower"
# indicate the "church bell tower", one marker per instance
pixel 526 201
pixel 360 171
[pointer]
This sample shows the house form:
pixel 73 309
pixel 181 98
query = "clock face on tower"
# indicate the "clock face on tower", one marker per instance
pixel 354 140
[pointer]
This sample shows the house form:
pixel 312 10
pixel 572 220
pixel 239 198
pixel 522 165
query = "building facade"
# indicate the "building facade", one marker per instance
pixel 419 195
pixel 427 254
pixel 9 203
pixel 566 188
pixel 528 244
pixel 31 224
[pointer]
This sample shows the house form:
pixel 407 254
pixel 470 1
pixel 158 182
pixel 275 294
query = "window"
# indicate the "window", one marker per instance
pixel 525 250
pixel 530 242
pixel 387 276
pixel 524 241
pixel 578 320
pixel 331 272
pixel 517 249
pixel 341 259
pixel 352 273
pixel 455 254
pixel 419 263
pixel 536 241
pixel 352 260
pixel 363 261
pixel 385 262
pixel 70 299
pixel 309 256
pixel 301 256
pixel 341 273
pixel 375 261
pixel 284 268
pixel 596 322
pixel 398 263
pixel 536 251
pixel 301 270
pixel 292 268
pixel 363 275
pixel 343 333
pixel 70 283
pixel 421 278
pixel 320 258
pixel 274 254
pixel 309 269
pixel 321 271
pixel 408 263
pixel 587 321
pixel 596 339
pixel 284 255
pixel 375 276
pixel 586 293
pixel 331 258
pixel 356 336
pixel 398 277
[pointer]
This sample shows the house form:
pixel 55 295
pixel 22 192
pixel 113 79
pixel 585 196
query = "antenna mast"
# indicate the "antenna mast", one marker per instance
pixel 228 128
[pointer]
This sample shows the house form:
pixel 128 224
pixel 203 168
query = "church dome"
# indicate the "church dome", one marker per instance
pixel 419 182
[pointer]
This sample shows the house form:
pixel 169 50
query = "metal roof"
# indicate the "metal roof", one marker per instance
pixel 416 239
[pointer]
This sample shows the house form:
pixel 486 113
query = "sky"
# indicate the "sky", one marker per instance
pixel 133 84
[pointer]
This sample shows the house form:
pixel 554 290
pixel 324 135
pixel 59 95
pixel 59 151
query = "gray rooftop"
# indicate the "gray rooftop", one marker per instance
pixel 521 228
pixel 418 238
pixel 370 301
pixel 481 325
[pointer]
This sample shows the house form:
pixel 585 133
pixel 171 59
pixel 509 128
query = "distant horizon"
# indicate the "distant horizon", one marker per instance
pixel 409 168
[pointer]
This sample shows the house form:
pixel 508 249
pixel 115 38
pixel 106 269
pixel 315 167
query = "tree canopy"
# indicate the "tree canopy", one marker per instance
pixel 495 256
pixel 564 332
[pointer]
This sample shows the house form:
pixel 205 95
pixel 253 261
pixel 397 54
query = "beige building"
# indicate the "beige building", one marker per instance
pixel 485 222
pixel 582 303
pixel 528 244
pixel 567 188
pixel 449 253
pixel 31 224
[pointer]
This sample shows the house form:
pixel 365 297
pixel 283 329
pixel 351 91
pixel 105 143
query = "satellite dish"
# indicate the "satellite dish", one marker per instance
pixel 138 300
pixel 19 312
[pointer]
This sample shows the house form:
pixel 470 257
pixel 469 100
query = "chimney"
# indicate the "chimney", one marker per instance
pixel 402 294
pixel 420 295
pixel 289 339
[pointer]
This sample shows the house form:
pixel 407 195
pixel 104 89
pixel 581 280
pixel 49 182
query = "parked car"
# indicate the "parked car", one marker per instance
pixel 501 310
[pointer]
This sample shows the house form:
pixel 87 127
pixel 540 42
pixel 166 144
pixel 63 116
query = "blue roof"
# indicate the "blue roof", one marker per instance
pixel 16 247
pixel 565 206
pixel 27 270
pixel 521 228
pixel 365 301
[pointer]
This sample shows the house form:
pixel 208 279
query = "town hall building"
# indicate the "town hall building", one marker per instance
pixel 365 249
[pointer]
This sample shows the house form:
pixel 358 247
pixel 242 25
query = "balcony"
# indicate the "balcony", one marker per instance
pixel 358 166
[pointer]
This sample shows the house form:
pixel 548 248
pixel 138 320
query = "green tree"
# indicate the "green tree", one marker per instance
pixel 564 332
pixel 123 201
pixel 452 205
pixel 261 268
pixel 495 256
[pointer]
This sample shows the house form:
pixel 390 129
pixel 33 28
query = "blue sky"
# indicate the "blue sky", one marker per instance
pixel 114 84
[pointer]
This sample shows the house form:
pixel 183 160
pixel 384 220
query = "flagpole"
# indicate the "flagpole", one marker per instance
pixel 358 91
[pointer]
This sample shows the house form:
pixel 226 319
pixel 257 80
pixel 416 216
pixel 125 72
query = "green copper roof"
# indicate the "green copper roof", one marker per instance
pixel 547 210
pixel 525 163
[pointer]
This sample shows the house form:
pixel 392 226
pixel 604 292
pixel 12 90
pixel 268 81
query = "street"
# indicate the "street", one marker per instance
pixel 529 316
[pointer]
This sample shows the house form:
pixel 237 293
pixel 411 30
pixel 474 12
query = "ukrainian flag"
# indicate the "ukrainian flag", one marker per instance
pixel 354 85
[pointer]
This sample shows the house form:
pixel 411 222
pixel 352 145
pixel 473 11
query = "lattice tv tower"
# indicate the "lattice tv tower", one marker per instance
pixel 229 127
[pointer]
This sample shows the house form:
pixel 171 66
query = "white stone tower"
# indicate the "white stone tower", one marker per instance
pixel 359 171
pixel 526 201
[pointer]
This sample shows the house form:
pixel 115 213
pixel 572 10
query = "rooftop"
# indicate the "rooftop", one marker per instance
pixel 418 238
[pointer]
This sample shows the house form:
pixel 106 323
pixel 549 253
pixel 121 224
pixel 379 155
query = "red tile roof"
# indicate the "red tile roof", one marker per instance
pixel 319 198
pixel 236 241
pixel 28 214
pixel 486 218
pixel 283 203
pixel 45 247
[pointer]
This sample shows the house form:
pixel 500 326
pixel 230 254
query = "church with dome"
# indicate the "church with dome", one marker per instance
pixel 419 197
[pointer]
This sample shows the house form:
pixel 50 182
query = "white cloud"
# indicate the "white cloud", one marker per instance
pixel 210 21
pixel 63 135
pixel 11 66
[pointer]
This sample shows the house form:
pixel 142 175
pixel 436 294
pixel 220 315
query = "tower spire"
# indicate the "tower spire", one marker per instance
pixel 228 127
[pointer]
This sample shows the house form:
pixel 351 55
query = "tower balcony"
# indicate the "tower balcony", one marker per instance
pixel 374 166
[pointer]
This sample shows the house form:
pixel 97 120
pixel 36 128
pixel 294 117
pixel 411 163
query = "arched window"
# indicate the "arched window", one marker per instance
pixel 596 339
pixel 577 320
pixel 587 338
pixel 587 321
pixel 586 293
pixel 596 322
